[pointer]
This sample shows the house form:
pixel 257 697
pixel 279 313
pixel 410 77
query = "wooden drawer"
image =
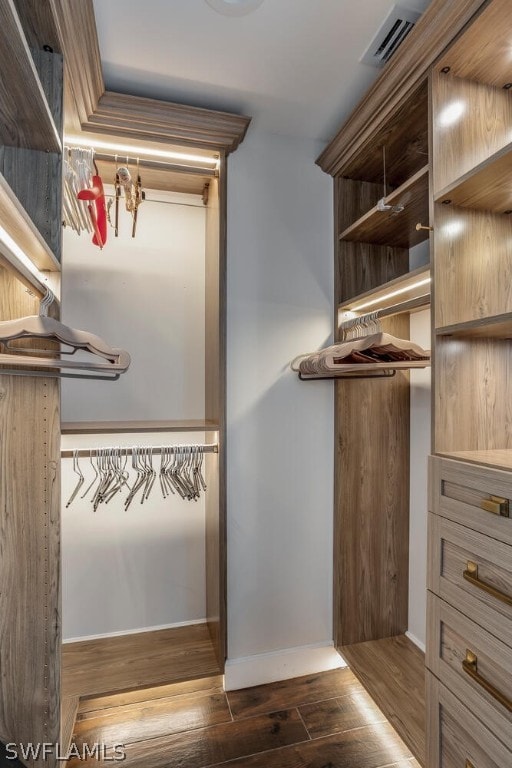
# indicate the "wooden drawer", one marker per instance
pixel 460 491
pixel 484 686
pixel 472 572
pixel 456 738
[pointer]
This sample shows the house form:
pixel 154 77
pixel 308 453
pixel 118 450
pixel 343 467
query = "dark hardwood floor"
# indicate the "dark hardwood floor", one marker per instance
pixel 325 720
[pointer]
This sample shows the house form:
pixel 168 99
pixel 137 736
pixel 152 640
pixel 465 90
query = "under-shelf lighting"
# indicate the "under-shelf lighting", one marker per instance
pixel 390 295
pixel 20 257
pixel 452 113
pixel 130 150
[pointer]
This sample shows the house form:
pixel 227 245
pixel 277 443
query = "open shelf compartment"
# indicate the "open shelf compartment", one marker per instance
pixel 396 229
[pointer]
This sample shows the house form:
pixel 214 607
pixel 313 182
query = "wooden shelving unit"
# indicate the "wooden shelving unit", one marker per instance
pixel 125 427
pixel 396 229
pixel 495 327
pixel 413 285
pixel 486 187
pixel 25 116
pixel 497 458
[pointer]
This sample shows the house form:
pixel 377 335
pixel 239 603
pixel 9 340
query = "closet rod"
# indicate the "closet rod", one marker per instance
pixel 86 453
pixel 159 165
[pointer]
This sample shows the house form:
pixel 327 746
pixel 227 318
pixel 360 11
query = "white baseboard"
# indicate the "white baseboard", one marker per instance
pixel 280 665
pixel 415 640
pixel 133 631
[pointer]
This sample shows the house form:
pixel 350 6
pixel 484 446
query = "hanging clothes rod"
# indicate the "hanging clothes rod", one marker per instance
pixel 128 451
pixel 158 165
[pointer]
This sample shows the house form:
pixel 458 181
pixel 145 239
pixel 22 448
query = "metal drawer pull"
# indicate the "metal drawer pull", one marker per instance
pixel 497 505
pixel 471 575
pixel 470 666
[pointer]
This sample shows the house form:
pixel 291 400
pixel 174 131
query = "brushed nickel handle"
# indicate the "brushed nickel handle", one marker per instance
pixel 471 575
pixel 469 764
pixel 497 505
pixel 470 666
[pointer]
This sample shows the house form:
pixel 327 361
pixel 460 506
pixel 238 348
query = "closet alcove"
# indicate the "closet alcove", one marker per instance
pixel 58 72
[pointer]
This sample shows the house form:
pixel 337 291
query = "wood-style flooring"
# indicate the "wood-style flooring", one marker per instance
pixel 325 720
pixel 393 672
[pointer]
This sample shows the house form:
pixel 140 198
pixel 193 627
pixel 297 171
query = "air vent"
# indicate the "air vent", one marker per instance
pixel 392 33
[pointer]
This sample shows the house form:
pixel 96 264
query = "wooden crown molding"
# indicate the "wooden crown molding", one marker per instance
pixel 440 23
pixel 91 109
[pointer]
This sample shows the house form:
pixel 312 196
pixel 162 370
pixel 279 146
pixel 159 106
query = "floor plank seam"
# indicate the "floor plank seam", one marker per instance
pixel 229 706
pixel 303 723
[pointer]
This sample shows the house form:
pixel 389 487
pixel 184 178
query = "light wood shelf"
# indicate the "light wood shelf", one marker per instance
pixel 396 229
pixel 19 226
pixel 25 116
pixel 394 293
pixel 495 327
pixel 124 427
pixel 486 187
pixel 498 458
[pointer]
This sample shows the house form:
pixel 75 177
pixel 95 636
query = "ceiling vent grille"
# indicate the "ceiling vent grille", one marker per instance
pixel 392 33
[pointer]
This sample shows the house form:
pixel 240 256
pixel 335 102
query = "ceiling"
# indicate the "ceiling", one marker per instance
pixel 293 65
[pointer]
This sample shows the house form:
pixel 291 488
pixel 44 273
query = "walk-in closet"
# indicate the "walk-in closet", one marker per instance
pixel 114 540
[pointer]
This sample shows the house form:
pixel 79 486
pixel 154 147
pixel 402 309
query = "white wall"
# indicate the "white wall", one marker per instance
pixel 145 295
pixel 145 567
pixel 126 570
pixel 280 430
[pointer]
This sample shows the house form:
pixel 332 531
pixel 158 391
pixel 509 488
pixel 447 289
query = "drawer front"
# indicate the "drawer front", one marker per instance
pixel 473 573
pixel 473 664
pixel 473 495
pixel 456 738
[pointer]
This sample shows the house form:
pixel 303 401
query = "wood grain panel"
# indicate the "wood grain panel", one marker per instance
pixel 217 744
pixel 262 699
pixel 68 712
pixel 29 546
pixel 108 427
pixel 485 187
pixel 361 267
pixel 340 715
pixel 483 52
pixel 499 458
pixel 371 526
pixel 473 265
pixel 215 409
pixel 455 546
pixel 150 720
pixel 479 126
pixel 92 667
pixel 452 635
pixel 392 228
pixel 355 199
pixel 456 735
pixel 470 410
pixel 404 137
pixel 25 117
pixel 402 76
pixel 38 24
pixel 478 482
pixel 392 671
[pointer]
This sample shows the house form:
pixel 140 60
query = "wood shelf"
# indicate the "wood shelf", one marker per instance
pixel 396 229
pixel 486 187
pixel 498 458
pixel 496 327
pixel 25 116
pixel 20 228
pixel 482 53
pixel 394 293
pixel 124 427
